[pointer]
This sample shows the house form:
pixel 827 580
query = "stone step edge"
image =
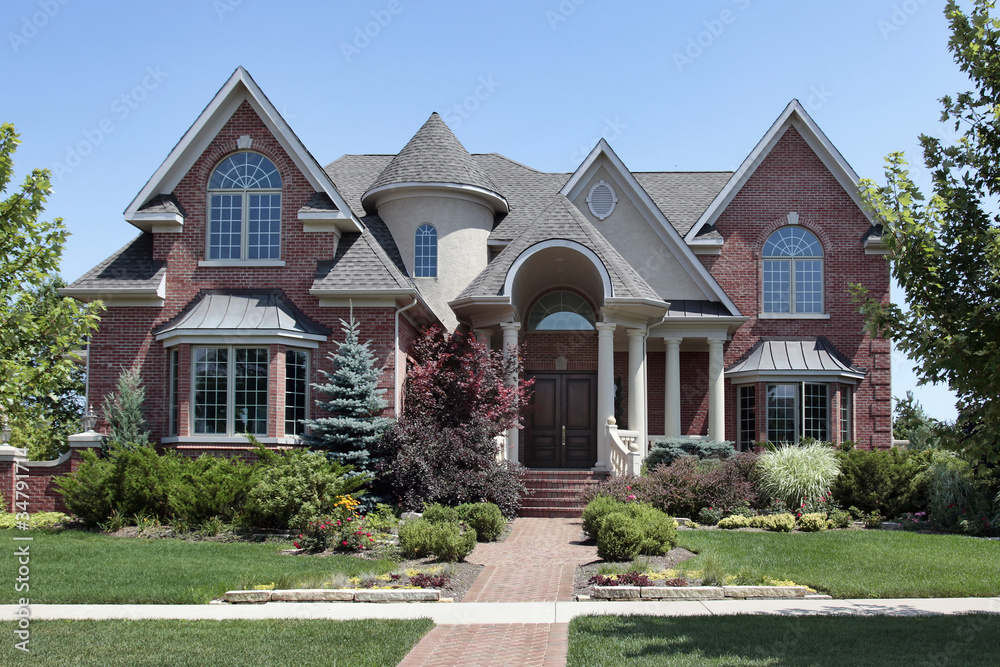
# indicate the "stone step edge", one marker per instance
pixel 335 595
pixel 698 593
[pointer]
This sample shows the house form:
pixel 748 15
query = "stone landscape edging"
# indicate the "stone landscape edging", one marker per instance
pixel 335 595
pixel 699 592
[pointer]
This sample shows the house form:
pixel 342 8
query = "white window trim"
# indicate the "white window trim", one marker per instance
pixel 800 409
pixel 173 389
pixel 242 263
pixel 230 393
pixel 745 446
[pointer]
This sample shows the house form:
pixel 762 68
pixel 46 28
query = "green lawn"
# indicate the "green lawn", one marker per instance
pixel 859 564
pixel 77 567
pixel 237 643
pixel 782 640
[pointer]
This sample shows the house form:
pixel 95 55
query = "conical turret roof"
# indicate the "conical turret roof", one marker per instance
pixel 433 155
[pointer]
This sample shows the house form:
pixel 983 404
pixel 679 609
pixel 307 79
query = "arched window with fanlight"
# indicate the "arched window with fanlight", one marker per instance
pixel 793 272
pixel 244 220
pixel 425 252
pixel 561 311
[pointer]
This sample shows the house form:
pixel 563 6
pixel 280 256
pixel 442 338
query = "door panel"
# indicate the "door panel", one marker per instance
pixel 560 426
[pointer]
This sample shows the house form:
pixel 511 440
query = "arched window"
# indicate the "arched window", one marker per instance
pixel 425 252
pixel 561 311
pixel 245 209
pixel 793 272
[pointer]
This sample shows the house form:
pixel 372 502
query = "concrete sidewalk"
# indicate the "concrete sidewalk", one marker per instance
pixel 477 613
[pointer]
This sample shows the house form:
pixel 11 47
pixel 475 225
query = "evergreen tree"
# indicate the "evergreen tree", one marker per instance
pixel 124 414
pixel 354 404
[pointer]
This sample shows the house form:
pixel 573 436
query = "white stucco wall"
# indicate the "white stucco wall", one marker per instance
pixel 631 234
pixel 463 226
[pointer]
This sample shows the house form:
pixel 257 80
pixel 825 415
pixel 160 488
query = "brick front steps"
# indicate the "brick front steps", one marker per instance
pixel 556 493
pixel 336 595
pixel 701 593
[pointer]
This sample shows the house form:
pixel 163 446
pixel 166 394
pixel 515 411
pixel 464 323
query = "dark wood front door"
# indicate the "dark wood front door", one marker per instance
pixel 560 431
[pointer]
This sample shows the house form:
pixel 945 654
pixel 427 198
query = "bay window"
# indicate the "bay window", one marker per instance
pixel 798 410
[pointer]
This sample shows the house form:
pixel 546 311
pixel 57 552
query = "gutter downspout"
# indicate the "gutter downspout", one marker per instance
pixel 398 388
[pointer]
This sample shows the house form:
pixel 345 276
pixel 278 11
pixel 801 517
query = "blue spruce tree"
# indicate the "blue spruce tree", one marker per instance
pixel 353 404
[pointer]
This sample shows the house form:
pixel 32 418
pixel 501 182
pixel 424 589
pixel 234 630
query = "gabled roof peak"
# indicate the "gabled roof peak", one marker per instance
pixel 434 157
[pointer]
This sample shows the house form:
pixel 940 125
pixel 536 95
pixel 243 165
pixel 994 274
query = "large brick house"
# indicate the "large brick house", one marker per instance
pixel 711 304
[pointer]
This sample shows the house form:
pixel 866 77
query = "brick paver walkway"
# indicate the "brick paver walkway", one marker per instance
pixel 536 563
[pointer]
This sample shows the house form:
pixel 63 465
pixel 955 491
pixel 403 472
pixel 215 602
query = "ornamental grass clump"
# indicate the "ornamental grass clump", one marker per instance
pixel 794 473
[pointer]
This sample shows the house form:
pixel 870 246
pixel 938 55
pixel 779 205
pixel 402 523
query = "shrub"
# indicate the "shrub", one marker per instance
pixel 450 543
pixel 619 537
pixel 668 450
pixel 710 516
pixel 735 521
pixel 959 501
pixel 813 522
pixel 123 412
pixel 659 531
pixel 415 537
pixel 438 513
pixel 781 523
pixel 893 480
pixel 793 473
pixel 34 521
pixel 485 518
pixel 840 519
pixel 87 492
pixel 290 489
pixel 207 487
pixel 443 448
pixel 596 510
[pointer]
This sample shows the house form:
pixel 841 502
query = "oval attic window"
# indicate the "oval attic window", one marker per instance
pixel 601 200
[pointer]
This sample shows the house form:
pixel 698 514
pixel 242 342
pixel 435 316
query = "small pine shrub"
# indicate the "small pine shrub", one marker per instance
pixel 794 473
pixel 208 487
pixel 668 450
pixel 485 518
pixel 813 522
pixel 124 414
pixel 88 492
pixel 893 481
pixel 438 513
pixel 619 537
pixel 596 510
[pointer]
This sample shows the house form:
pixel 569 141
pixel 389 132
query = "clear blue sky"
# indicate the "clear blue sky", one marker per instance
pixel 101 91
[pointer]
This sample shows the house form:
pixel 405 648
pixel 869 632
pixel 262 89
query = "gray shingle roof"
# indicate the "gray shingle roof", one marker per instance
pixel 361 262
pixel 562 220
pixel 813 355
pixel 353 174
pixel 319 202
pixel 131 267
pixel 682 196
pixel 163 204
pixel 434 155
pixel 218 311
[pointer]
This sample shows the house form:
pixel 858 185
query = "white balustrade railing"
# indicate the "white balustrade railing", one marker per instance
pixel 624 456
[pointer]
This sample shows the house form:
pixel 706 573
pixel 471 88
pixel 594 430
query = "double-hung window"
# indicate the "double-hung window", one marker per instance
pixel 244 219
pixel 793 272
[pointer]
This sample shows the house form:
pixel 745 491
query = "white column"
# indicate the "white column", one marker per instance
pixel 484 336
pixel 716 391
pixel 637 384
pixel 510 330
pixel 672 389
pixel 605 388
